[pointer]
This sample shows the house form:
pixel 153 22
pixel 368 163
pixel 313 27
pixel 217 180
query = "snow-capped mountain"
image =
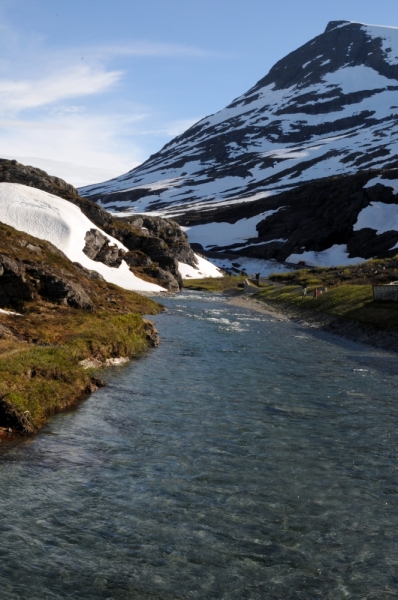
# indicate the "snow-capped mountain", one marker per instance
pixel 329 108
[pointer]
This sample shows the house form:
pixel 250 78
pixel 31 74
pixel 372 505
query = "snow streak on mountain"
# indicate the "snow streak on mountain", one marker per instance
pixel 329 108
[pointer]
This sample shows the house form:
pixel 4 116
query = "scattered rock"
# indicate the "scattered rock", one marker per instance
pixel 152 333
pixel 13 419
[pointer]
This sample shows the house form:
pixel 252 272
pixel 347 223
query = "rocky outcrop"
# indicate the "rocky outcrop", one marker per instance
pixel 12 171
pixel 161 241
pixel 14 285
pixel 13 419
pixel 100 249
pixel 21 282
pixel 61 290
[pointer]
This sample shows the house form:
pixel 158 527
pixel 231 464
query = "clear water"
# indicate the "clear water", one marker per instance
pixel 244 458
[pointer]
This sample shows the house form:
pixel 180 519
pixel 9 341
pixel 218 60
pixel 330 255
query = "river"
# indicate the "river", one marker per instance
pixel 245 458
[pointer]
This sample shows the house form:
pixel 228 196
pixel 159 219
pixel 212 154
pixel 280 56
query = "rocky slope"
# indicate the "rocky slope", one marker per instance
pixel 155 245
pixel 328 109
pixel 61 315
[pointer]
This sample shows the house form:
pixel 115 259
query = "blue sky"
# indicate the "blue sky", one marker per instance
pixel 90 88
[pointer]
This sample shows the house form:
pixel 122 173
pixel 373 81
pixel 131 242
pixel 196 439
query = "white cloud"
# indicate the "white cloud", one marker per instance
pixel 54 113
pixel 70 83
pixel 74 140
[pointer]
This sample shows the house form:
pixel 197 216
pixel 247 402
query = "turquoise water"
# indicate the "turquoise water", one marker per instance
pixel 245 458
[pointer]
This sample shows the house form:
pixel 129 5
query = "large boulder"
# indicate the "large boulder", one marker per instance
pixel 60 290
pixel 99 248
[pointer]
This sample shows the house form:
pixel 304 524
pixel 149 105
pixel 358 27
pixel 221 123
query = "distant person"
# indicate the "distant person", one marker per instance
pixel 316 293
pixel 304 291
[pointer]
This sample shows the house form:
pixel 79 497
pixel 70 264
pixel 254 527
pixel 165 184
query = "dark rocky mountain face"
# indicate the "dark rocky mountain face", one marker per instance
pixel 327 110
pixel 314 217
pixel 155 245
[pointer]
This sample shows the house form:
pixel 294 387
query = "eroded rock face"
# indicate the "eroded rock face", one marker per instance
pixel 62 291
pixel 12 171
pixel 14 285
pixel 98 248
pixel 16 420
pixel 21 282
pixel 136 258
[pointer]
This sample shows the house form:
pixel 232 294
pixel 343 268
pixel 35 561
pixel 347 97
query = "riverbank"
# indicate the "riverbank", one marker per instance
pixel 59 319
pixel 41 377
pixel 346 309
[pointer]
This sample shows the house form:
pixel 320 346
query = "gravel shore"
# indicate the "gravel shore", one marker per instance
pixel 345 328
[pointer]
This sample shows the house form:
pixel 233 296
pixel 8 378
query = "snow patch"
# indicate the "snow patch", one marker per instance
pixel 9 312
pixel 391 183
pixel 334 256
pixel 379 216
pixel 63 224
pixel 205 269
pixel 250 265
pixel 226 234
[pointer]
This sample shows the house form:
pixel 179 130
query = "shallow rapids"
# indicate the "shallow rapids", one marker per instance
pixel 245 458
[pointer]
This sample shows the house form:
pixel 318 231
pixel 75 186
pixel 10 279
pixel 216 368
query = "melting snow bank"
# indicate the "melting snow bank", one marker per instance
pixel 205 269
pixel 332 257
pixel 63 224
pixel 226 234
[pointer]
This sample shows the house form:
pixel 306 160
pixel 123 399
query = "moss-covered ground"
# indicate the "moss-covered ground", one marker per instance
pixel 41 350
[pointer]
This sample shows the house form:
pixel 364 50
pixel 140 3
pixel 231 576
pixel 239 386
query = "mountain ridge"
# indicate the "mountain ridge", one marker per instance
pixel 328 108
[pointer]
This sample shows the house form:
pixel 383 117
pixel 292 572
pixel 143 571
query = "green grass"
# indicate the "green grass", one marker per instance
pixel 216 284
pixel 353 302
pixel 44 380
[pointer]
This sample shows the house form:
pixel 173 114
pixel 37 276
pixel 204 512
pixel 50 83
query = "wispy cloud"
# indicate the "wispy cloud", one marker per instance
pixel 54 113
pixel 73 82
pixel 154 49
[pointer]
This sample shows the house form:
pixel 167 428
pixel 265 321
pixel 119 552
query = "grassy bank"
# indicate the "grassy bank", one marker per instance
pixel 41 348
pixel 37 380
pixel 348 302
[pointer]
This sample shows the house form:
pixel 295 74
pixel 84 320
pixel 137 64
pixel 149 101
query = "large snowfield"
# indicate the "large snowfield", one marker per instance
pixel 63 224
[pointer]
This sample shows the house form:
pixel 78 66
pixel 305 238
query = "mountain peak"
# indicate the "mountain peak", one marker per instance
pixel 336 25
pixel 329 108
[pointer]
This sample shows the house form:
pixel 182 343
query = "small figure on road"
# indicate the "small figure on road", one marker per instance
pixel 304 291
pixel 316 293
